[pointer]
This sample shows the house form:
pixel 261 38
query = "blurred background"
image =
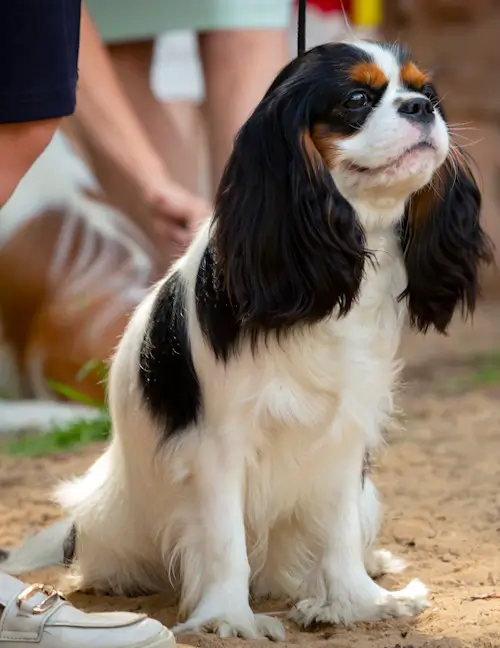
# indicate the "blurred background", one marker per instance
pixel 164 86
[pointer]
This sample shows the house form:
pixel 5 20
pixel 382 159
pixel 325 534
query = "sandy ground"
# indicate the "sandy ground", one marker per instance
pixel 440 484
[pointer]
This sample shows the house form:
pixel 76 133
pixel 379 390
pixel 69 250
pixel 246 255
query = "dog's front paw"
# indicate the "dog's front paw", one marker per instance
pixel 408 602
pixel 379 604
pixel 315 610
pixel 226 624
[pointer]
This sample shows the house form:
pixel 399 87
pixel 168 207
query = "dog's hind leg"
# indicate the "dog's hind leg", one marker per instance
pixel 377 561
pixel 112 554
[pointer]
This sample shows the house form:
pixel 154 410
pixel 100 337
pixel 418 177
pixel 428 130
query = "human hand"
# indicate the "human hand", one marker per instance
pixel 174 213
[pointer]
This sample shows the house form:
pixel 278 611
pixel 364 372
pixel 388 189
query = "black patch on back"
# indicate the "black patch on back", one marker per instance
pixel 216 315
pixel 3 555
pixel 167 375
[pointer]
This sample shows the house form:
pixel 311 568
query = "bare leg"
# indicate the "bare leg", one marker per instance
pixel 132 64
pixel 239 66
pixel 172 128
pixel 183 151
pixel 20 145
pixel 162 208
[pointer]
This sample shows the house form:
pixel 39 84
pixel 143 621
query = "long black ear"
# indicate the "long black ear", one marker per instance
pixel 444 246
pixel 289 245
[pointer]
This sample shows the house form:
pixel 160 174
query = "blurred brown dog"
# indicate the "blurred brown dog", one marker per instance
pixel 71 270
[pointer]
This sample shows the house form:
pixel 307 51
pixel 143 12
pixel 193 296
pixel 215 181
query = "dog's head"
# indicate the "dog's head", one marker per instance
pixel 349 139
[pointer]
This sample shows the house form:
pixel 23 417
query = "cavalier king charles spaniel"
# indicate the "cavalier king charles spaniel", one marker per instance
pixel 255 378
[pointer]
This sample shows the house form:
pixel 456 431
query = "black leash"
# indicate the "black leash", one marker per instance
pixel 301 28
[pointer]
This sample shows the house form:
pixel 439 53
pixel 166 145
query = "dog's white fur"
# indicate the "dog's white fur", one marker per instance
pixel 267 487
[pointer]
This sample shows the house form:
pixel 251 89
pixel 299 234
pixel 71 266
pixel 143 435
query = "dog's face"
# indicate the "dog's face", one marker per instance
pixel 374 117
pixel 349 138
pixel 380 129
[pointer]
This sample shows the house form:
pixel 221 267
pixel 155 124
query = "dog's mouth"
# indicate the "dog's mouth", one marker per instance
pixel 394 163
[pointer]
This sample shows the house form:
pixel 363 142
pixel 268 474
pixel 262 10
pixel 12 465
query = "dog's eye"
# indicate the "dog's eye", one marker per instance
pixel 356 100
pixel 428 91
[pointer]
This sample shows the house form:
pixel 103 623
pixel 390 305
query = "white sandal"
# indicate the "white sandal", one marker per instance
pixel 39 614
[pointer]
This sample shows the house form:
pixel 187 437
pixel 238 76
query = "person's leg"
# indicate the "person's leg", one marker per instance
pixel 172 128
pixel 20 145
pixel 38 85
pixel 123 157
pixel 239 66
pixel 132 65
pixel 177 81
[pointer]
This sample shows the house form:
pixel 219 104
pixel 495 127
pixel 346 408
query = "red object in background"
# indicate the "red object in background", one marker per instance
pixel 331 6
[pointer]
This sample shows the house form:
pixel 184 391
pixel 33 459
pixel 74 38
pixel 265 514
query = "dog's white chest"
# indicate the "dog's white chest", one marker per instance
pixel 304 381
pixel 316 391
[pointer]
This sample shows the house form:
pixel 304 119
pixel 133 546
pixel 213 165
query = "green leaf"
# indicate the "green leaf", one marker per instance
pixel 73 394
pixel 89 367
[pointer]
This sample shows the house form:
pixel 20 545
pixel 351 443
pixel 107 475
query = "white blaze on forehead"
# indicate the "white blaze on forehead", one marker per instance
pixel 384 58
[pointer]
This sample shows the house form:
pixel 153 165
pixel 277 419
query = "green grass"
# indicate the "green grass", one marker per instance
pixel 463 375
pixel 64 439
pixel 71 437
pixel 487 371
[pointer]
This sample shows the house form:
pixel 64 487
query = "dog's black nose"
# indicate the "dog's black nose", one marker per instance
pixel 418 109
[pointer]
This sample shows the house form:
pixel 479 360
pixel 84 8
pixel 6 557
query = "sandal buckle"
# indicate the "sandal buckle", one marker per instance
pixel 52 596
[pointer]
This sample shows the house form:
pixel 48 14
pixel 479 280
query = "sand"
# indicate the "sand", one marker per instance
pixel 440 485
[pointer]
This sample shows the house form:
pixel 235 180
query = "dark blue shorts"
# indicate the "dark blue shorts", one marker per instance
pixel 39 42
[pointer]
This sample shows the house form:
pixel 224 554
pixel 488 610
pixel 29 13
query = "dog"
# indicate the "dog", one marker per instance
pixel 254 379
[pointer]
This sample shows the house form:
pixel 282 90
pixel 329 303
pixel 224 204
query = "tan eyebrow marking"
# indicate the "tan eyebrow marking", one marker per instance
pixel 368 73
pixel 413 76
